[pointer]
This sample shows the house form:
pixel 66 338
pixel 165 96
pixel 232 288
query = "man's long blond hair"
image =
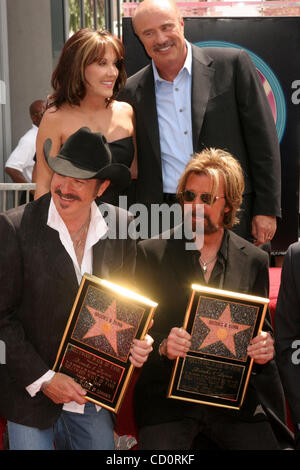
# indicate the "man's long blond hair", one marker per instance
pixel 218 164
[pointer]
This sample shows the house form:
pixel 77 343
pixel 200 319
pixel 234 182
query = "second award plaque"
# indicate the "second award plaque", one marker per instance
pixel 217 369
pixel 96 344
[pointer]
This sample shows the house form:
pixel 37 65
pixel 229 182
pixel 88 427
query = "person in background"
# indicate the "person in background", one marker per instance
pixel 21 162
pixel 86 81
pixel 287 333
pixel 190 98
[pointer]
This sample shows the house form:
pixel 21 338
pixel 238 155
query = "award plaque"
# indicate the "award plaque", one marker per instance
pixel 216 369
pixel 95 347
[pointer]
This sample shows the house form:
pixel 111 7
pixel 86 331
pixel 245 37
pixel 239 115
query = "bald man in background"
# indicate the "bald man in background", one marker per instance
pixel 20 163
pixel 191 98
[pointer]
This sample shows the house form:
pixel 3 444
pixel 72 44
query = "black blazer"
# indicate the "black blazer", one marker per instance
pixel 287 331
pixel 229 111
pixel 164 275
pixel 38 286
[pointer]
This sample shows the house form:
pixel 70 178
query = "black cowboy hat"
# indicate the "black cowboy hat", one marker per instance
pixel 87 155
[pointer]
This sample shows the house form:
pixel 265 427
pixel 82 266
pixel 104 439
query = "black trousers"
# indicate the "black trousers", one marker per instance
pixel 211 431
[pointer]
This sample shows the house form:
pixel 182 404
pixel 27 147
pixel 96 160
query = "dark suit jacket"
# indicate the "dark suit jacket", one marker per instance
pixel 287 331
pixel 164 275
pixel 38 286
pixel 229 111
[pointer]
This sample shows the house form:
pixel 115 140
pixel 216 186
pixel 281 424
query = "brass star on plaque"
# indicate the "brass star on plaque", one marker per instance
pixel 222 329
pixel 107 324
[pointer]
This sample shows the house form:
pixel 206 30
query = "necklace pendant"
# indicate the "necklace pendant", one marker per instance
pixel 204 268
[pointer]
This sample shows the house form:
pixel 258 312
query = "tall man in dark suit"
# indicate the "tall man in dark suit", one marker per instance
pixel 46 247
pixel 165 271
pixel 287 333
pixel 191 98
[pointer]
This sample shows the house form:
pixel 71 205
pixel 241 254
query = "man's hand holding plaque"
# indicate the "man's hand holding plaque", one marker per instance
pixel 63 389
pixel 105 338
pixel 261 348
pixel 216 347
pixel 176 345
pixel 140 351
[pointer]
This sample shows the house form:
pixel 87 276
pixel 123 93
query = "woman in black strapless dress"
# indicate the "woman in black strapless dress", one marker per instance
pixel 86 81
pixel 122 152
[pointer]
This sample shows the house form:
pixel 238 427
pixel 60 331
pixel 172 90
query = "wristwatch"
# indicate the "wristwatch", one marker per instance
pixel 162 348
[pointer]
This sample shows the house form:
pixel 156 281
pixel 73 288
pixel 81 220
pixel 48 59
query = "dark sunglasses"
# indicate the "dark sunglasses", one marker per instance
pixel 206 198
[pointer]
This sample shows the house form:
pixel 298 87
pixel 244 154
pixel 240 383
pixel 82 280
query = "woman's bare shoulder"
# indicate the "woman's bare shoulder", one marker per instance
pixel 123 107
pixel 54 114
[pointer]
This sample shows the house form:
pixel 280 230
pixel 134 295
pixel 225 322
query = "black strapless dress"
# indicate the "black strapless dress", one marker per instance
pixel 122 152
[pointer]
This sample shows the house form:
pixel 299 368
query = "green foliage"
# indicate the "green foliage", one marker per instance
pixel 89 5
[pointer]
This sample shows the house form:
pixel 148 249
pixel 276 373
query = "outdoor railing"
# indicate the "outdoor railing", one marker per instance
pixel 10 194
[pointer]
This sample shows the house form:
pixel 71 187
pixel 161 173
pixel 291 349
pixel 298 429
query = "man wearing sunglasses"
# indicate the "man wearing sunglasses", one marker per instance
pixel 165 270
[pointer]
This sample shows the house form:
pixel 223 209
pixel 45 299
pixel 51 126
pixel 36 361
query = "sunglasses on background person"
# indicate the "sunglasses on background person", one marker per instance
pixel 206 198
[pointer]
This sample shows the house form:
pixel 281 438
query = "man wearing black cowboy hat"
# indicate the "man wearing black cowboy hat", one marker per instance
pixel 46 247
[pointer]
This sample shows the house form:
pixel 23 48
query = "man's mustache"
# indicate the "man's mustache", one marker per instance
pixel 160 46
pixel 71 197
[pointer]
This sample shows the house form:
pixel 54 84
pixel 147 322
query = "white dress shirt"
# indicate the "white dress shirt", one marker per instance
pixel 173 103
pixel 97 229
pixel 22 157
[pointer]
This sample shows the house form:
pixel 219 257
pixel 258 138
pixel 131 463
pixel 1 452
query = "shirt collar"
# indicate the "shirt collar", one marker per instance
pixel 186 66
pixel 97 228
pixel 223 250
